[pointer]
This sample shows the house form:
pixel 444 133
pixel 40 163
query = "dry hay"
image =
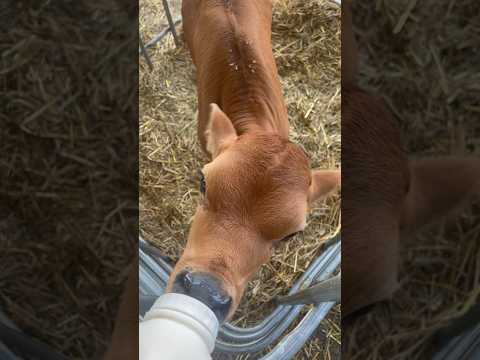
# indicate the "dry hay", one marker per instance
pixel 422 58
pixel 306 41
pixel 67 182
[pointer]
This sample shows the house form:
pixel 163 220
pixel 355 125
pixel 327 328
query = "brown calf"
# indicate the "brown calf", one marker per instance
pixel 258 185
pixel 385 197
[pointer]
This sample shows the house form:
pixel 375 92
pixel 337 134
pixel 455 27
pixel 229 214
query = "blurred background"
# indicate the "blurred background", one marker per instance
pixel 423 59
pixel 68 168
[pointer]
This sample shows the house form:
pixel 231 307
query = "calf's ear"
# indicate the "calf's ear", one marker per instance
pixel 220 131
pixel 439 187
pixel 323 183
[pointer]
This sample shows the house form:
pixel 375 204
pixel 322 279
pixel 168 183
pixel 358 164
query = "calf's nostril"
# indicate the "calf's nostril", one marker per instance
pixel 184 281
pixel 205 288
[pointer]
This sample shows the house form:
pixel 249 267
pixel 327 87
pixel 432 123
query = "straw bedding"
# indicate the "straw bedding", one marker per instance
pixel 306 43
pixel 422 58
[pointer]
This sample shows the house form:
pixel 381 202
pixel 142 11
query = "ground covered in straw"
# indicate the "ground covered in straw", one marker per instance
pixel 306 42
pixel 422 58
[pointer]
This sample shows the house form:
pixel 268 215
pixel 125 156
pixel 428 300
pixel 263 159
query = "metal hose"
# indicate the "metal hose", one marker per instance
pixel 293 342
pixel 282 313
pixel 259 339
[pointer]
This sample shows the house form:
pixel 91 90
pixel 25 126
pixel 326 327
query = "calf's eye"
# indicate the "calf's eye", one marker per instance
pixel 291 236
pixel 203 185
pixel 277 243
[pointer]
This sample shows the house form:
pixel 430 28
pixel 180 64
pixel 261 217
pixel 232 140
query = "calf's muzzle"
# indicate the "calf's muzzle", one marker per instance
pixel 205 288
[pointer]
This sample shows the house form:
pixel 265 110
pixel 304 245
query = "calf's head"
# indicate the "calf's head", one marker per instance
pixel 255 192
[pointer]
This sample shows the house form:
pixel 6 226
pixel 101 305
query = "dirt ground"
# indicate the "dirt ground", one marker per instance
pixel 306 43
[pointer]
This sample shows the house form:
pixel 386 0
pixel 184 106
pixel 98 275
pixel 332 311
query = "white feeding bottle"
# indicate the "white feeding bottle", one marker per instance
pixel 178 327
